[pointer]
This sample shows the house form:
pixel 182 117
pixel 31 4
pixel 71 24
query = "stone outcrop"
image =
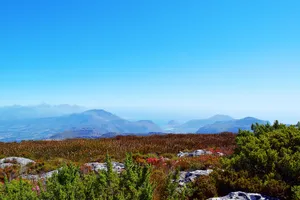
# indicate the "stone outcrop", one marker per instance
pixel 36 177
pixel 96 166
pixel 198 152
pixel 9 161
pixel 22 162
pixel 243 196
pixel 186 177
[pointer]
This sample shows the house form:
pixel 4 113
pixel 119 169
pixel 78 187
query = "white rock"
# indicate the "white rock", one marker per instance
pixel 220 154
pixel 242 196
pixel 21 161
pixel 4 165
pixel 195 153
pixel 36 177
pixel 199 152
pixel 186 177
pixel 49 174
pixel 96 166
pixel 208 153
pixel 30 177
pixel 182 154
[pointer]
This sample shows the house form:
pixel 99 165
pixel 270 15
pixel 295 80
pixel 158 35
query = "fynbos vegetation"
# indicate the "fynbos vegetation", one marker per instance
pixel 265 160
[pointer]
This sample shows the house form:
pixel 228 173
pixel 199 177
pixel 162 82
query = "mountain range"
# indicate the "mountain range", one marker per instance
pixel 94 122
pixel 231 126
pixel 64 121
pixel 192 126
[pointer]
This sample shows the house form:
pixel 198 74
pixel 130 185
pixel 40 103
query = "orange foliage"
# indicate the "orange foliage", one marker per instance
pixel 87 150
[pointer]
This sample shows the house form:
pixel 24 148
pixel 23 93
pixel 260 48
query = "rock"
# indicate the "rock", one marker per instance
pixel 220 154
pixel 208 153
pixel 16 160
pixel 96 166
pixel 186 177
pixel 243 196
pixel 32 177
pixel 36 177
pixel 182 154
pixel 4 165
pixel 196 153
pixel 49 174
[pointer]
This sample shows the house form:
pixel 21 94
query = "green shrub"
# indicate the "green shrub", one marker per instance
pixel 269 154
pixel 17 190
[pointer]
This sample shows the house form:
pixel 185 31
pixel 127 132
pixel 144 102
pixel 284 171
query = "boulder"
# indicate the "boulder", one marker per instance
pixel 4 165
pixel 243 196
pixel 186 177
pixel 195 153
pixel 220 154
pixel 36 177
pixel 96 166
pixel 16 160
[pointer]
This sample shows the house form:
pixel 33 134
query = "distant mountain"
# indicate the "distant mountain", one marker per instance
pixel 193 125
pixel 18 112
pixel 148 126
pixel 91 123
pixel 231 126
pixel 171 126
pixel 173 123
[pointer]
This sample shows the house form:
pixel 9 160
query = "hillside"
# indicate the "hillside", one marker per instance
pixel 231 126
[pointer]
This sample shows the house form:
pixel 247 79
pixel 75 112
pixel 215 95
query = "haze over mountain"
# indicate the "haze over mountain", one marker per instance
pixel 193 125
pixel 16 112
pixel 93 122
pixel 66 121
pixel 231 126
pixel 171 125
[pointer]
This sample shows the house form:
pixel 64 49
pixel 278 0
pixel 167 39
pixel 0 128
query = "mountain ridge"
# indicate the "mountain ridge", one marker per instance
pixel 98 121
pixel 231 126
pixel 192 126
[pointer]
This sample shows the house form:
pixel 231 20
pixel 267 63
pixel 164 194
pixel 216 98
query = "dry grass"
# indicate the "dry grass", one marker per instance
pixel 86 150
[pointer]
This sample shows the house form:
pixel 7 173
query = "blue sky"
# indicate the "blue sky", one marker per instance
pixel 172 59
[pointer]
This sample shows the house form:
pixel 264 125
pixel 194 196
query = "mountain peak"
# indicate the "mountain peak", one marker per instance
pixel 146 121
pixel 220 117
pixel 96 111
pixel 249 118
pixel 100 113
pixel 173 123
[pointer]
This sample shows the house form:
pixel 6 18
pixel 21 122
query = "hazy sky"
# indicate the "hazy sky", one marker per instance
pixel 193 58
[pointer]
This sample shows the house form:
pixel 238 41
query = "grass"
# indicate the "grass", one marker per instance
pixel 87 150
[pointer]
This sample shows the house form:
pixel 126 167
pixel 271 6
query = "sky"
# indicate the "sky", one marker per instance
pixel 163 59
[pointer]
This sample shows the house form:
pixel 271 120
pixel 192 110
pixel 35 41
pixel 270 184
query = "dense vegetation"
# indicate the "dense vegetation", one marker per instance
pixel 265 160
pixel 87 150
pixel 71 183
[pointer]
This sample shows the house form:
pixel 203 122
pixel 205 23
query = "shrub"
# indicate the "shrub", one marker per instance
pixel 17 189
pixel 269 154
